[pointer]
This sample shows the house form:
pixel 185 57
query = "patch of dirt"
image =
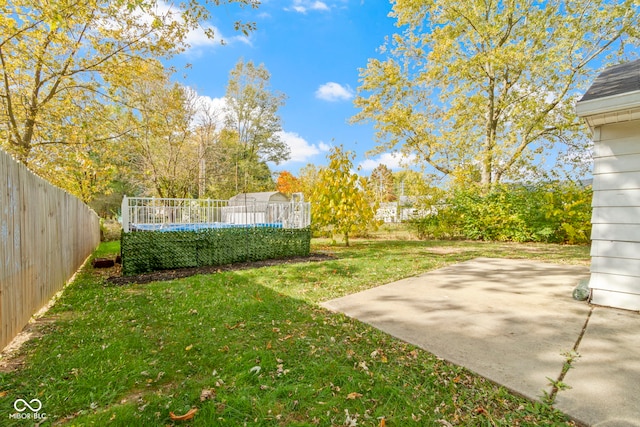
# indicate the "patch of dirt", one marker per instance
pixel 11 359
pixel 180 273
pixel 445 250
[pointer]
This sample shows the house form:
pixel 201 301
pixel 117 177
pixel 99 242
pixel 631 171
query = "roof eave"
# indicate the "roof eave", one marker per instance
pixel 610 109
pixel 608 104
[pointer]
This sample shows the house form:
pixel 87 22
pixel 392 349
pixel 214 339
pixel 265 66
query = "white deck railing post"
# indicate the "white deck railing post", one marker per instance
pixel 125 214
pixel 149 212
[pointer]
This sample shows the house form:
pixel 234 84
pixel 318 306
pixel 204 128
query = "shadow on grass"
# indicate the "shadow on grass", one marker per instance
pixel 255 338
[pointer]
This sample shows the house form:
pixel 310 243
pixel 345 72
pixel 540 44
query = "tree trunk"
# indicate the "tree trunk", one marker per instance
pixel 202 171
pixel 490 135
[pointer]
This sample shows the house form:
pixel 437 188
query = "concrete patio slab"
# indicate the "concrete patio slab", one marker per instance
pixel 605 379
pixel 513 322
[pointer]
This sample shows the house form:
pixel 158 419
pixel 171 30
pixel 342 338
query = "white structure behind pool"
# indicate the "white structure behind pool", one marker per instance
pixel 267 209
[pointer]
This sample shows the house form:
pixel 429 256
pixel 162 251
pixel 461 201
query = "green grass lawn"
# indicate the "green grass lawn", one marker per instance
pixel 254 348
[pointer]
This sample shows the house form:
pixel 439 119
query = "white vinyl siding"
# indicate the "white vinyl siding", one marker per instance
pixel 615 247
pixel 615 299
pixel 616 164
pixel 616 198
pixel 615 232
pixel 616 215
pixel 609 265
pixel 614 282
pixel 616 181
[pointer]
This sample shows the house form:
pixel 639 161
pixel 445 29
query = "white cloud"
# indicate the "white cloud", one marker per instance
pixel 196 38
pixel 169 14
pixel 303 6
pixel 324 147
pixel 319 5
pixel 393 161
pixel 213 104
pixel 214 110
pixel 301 150
pixel 333 92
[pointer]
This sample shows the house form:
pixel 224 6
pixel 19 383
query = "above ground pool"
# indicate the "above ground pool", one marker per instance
pixel 198 226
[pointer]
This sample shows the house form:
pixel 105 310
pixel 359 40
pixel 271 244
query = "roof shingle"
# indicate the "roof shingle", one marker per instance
pixel 615 80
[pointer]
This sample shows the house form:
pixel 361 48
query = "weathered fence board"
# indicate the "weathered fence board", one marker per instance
pixel 45 236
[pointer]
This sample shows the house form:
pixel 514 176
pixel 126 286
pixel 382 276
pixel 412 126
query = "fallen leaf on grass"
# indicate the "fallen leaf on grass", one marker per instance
pixel 353 395
pixel 189 347
pixel 189 415
pixel 207 394
pixel 3 393
pixel 481 410
pixel 237 325
pixel 376 353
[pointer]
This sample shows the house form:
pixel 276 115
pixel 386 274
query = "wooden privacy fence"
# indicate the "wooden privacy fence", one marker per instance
pixel 45 236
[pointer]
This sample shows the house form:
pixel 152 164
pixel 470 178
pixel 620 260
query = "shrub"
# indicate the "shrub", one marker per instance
pixel 558 213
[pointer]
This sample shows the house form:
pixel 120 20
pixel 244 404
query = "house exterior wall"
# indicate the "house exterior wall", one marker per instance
pixel 615 246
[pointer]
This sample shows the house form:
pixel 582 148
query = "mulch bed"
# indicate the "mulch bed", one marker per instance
pixel 163 275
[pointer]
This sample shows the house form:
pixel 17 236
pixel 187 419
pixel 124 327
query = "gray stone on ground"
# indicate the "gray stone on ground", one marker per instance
pixel 581 292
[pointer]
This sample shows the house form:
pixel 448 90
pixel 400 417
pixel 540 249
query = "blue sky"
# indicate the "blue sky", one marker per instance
pixel 313 50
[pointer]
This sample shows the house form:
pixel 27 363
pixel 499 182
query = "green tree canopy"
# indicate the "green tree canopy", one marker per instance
pixel 164 148
pixel 308 177
pixel 65 67
pixel 252 127
pixel 340 202
pixel 252 112
pixel 410 185
pixel 471 85
pixel 381 184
